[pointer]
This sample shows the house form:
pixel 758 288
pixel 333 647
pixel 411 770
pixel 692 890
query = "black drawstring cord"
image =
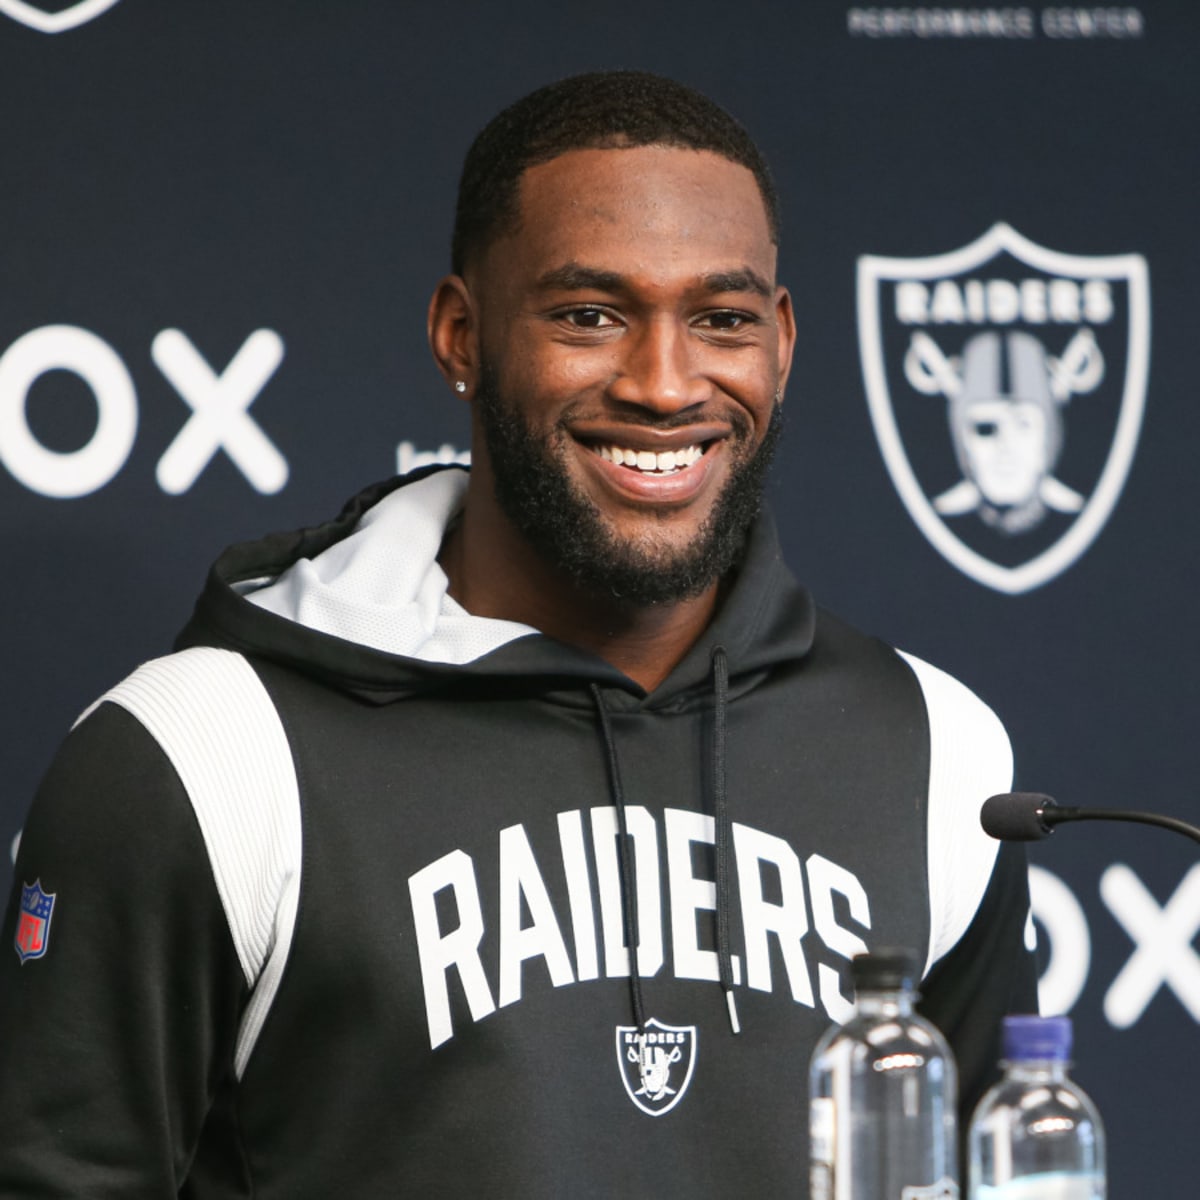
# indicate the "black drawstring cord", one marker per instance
pixel 723 830
pixel 723 848
pixel 628 890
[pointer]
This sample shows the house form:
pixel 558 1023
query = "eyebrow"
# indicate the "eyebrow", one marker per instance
pixel 576 277
pixel 572 277
pixel 744 280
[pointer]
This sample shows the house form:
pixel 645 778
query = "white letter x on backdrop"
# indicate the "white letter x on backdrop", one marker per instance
pixel 1163 937
pixel 219 419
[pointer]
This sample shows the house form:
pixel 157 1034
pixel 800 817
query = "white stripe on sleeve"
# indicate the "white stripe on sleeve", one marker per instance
pixel 970 759
pixel 216 724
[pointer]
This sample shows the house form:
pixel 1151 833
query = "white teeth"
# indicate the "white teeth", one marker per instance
pixel 647 460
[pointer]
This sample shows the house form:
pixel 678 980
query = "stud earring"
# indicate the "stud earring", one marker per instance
pixel 459 386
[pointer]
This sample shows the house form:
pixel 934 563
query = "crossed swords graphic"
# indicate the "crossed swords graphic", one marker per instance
pixel 1079 369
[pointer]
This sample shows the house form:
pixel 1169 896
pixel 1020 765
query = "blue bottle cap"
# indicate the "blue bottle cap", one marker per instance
pixel 1029 1037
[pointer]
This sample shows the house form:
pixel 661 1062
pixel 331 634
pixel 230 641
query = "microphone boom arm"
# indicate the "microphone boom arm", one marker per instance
pixel 1052 814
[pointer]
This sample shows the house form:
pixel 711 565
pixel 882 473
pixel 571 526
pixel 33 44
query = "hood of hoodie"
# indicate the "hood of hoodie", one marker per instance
pixel 360 602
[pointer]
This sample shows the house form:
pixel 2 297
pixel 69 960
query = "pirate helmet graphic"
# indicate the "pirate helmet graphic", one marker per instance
pixel 1004 411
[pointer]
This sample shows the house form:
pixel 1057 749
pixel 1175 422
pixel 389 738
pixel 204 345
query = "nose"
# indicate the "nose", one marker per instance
pixel 659 368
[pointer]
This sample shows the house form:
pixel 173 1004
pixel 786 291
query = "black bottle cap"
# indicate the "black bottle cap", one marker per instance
pixel 884 970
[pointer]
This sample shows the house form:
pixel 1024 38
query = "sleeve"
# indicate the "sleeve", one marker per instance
pixel 981 963
pixel 120 986
pixel 991 972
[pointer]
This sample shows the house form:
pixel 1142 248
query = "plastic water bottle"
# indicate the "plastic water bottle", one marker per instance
pixel 882 1093
pixel 1036 1135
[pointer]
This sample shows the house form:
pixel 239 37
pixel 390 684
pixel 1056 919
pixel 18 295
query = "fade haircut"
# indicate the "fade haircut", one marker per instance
pixel 599 110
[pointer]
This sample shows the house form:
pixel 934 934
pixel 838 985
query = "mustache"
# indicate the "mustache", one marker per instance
pixel 636 416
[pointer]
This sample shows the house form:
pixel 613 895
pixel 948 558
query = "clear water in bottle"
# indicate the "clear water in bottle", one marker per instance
pixel 882 1094
pixel 1036 1135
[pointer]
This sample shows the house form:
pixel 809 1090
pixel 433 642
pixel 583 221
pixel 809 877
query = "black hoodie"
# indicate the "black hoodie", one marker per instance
pixel 335 900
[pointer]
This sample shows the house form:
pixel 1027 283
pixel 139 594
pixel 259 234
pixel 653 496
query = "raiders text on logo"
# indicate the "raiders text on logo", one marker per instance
pixel 33 921
pixel 656 1066
pixel 972 362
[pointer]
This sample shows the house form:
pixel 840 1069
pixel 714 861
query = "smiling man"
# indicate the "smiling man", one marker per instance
pixel 511 833
pixel 626 347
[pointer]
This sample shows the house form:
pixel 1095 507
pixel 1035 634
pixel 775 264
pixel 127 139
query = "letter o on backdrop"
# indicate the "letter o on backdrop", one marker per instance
pixel 1062 919
pixel 77 472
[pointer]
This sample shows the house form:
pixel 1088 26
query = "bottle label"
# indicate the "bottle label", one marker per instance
pixel 822 1132
pixel 820 1182
pixel 822 1129
pixel 1057 1185
pixel 944 1189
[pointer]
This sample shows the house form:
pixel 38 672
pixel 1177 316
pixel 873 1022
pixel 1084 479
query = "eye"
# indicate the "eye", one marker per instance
pixel 727 320
pixel 587 318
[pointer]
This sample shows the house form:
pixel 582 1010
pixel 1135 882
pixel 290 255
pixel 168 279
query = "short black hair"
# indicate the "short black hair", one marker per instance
pixel 602 109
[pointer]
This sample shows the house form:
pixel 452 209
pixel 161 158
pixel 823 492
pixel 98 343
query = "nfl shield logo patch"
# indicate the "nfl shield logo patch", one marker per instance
pixel 1006 383
pixel 33 921
pixel 656 1066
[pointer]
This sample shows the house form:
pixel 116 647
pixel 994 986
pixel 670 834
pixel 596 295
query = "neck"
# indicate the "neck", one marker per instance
pixel 493 572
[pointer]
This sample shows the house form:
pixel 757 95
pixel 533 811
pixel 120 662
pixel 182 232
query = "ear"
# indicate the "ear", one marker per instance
pixel 785 323
pixel 454 333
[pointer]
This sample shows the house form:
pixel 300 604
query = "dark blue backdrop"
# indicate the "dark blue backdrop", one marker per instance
pixel 222 169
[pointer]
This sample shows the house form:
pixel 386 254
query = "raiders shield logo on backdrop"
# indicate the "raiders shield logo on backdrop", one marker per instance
pixel 1006 384
pixel 656 1066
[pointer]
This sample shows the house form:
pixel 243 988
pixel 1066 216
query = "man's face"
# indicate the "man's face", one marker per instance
pixel 632 345
pixel 1005 446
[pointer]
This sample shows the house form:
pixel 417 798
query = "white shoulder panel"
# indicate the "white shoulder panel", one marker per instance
pixel 212 717
pixel 970 759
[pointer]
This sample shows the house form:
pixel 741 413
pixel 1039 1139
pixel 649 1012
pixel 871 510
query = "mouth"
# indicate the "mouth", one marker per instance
pixel 650 462
pixel 653 466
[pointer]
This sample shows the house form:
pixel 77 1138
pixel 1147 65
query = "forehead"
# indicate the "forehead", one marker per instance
pixel 653 209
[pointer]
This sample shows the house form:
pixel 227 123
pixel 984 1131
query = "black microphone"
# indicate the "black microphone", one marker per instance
pixel 1030 816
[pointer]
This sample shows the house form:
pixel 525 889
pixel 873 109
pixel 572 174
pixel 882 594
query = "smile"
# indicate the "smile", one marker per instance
pixel 666 462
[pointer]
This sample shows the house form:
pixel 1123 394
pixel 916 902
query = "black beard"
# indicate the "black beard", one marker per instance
pixel 536 493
